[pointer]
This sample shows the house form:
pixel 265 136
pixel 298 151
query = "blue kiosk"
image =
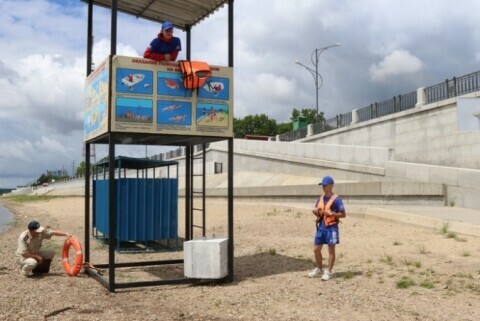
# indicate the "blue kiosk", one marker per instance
pixel 137 101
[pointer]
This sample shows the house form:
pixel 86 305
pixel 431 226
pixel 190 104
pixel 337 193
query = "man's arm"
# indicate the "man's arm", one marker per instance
pixel 60 233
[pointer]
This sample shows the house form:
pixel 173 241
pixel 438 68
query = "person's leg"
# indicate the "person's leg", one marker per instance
pixel 317 249
pixel 27 266
pixel 331 257
pixel 46 254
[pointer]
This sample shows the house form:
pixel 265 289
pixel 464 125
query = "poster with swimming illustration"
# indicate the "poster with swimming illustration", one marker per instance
pixel 144 96
pixel 95 120
pixel 134 110
pixel 215 88
pixel 173 112
pixel 134 81
pixel 212 115
pixel 171 84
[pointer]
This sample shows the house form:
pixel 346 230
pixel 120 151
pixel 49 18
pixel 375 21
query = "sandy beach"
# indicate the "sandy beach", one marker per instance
pixel 384 271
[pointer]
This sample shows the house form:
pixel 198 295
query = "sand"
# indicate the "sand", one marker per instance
pixel 273 255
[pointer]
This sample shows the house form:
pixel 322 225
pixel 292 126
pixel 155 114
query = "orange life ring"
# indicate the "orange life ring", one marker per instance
pixel 72 270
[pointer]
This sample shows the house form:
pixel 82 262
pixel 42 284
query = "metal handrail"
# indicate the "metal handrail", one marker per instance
pixel 454 87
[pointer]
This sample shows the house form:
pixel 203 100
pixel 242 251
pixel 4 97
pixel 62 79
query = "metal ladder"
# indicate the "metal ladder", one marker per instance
pixel 197 190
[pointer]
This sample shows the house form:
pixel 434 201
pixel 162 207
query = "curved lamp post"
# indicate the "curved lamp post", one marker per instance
pixel 316 76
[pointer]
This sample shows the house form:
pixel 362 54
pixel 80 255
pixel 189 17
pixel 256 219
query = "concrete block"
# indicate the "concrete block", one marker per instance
pixel 370 188
pixel 361 156
pixel 206 258
pixel 395 169
pixel 332 152
pixel 309 150
pixel 418 172
pixel 346 153
pixel 469 178
pixel 378 156
pixel 444 175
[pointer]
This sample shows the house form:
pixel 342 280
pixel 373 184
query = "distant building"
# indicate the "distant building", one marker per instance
pixel 59 172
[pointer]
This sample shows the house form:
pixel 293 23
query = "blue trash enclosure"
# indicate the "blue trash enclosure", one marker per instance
pixel 146 200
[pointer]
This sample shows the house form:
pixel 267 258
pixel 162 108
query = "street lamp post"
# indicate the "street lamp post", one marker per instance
pixel 316 76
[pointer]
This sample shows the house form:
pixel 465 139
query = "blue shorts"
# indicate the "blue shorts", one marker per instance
pixel 327 235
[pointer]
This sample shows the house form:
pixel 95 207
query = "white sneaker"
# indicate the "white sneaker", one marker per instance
pixel 27 274
pixel 327 275
pixel 316 272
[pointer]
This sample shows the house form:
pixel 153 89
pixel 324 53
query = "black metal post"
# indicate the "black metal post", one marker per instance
pixel 112 224
pixel 87 145
pixel 230 155
pixel 230 33
pixel 188 173
pixel 89 36
pixel 189 42
pixel 113 31
pixel 230 210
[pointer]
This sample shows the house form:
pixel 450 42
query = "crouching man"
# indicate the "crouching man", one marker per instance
pixel 29 247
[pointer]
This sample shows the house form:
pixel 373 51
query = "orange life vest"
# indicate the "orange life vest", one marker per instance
pixel 195 73
pixel 329 220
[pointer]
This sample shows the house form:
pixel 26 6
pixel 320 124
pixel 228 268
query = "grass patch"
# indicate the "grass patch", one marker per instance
pixel 422 249
pixel 405 282
pixel 275 212
pixel 272 251
pixel 387 259
pixel 348 275
pixel 427 284
pixel 451 235
pixel 463 275
pixel 397 243
pixel 465 253
pixel 445 228
pixel 30 198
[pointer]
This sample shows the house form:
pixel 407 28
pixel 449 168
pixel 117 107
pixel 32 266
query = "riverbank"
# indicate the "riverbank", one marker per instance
pixel 384 271
pixel 6 218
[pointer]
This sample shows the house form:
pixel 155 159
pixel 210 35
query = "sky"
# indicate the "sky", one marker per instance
pixel 387 48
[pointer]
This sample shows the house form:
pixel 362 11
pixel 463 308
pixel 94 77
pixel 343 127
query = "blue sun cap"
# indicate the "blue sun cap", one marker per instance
pixel 327 180
pixel 167 25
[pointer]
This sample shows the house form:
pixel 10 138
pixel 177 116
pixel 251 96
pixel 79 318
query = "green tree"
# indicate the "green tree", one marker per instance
pixel 309 114
pixel 254 125
pixel 284 128
pixel 82 168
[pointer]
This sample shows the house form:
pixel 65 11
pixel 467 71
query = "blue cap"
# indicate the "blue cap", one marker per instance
pixel 167 25
pixel 327 180
pixel 35 226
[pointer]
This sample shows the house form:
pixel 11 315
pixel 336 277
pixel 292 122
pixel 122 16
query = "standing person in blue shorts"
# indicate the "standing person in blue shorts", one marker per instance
pixel 328 211
pixel 165 47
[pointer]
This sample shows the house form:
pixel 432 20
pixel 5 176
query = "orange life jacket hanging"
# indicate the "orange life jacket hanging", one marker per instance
pixel 195 73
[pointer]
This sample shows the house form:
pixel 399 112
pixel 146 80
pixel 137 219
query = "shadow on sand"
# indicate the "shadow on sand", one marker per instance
pixel 264 264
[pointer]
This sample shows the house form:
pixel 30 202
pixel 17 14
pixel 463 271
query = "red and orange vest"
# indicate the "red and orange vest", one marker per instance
pixel 329 220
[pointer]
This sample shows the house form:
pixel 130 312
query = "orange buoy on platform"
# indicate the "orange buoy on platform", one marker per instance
pixel 74 269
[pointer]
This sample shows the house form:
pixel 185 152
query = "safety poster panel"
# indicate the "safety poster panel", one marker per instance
pixel 149 97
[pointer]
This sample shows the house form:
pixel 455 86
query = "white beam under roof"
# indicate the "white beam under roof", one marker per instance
pixel 182 13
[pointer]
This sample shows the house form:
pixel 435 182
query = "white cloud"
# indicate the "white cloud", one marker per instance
pixel 43 57
pixel 397 63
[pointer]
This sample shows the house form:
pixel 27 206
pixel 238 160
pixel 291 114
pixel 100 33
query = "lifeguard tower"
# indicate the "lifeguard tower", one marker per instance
pixel 137 101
